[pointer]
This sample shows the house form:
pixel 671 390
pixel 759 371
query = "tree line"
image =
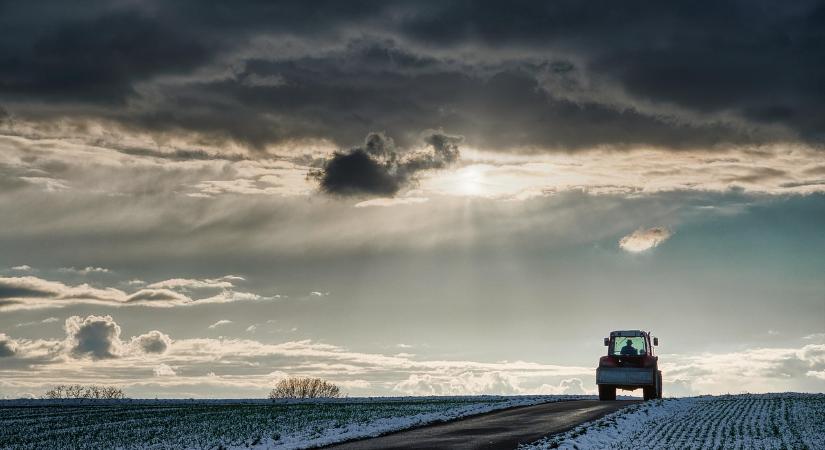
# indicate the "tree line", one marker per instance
pixel 79 391
pixel 291 387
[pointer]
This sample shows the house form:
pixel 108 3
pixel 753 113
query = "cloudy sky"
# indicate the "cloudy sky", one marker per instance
pixel 410 198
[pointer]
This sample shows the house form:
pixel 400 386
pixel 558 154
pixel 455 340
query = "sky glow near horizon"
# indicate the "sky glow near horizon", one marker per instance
pixel 409 199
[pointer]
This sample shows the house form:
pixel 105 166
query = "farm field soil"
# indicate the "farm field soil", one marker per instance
pixel 229 424
pixel 765 421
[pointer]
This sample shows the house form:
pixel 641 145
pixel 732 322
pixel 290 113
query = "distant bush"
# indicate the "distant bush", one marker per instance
pixel 304 387
pixel 80 391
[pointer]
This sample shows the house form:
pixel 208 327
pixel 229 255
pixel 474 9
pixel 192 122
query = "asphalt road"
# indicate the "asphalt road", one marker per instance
pixel 495 430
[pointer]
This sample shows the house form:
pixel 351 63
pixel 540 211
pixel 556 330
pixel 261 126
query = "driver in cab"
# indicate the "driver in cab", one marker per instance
pixel 628 349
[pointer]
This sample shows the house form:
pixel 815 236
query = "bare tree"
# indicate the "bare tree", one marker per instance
pixel 79 391
pixel 304 387
pixel 74 391
pixel 112 392
pixel 56 392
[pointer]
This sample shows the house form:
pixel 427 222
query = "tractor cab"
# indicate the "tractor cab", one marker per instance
pixel 630 348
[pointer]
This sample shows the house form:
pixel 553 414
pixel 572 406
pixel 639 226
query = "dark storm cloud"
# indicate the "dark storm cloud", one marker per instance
pixel 96 50
pixel 377 168
pixel 373 84
pixel 563 74
pixel 762 61
pixel 97 59
pixel 356 172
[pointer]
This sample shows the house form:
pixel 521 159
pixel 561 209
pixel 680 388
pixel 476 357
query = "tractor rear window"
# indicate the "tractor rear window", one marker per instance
pixel 628 346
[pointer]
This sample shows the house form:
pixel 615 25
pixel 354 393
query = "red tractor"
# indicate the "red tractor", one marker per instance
pixel 629 365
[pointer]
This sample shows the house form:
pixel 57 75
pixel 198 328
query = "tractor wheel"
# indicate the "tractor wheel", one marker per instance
pixel 649 392
pixel 607 392
pixel 659 384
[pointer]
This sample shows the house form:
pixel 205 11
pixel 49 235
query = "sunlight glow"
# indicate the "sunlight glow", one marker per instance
pixel 520 177
pixel 469 181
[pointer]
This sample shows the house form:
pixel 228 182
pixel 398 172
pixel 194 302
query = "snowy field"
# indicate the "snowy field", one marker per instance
pixel 767 421
pixel 167 424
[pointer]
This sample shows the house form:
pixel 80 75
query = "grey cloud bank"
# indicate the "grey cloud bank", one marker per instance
pixel 559 76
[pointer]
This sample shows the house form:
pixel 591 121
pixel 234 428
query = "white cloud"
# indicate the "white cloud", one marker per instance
pixel 813 354
pixel 98 337
pixel 354 384
pixel 22 268
pixel 515 176
pixel 211 350
pixel 32 287
pixel 188 283
pixel 644 239
pixel 509 174
pixel 252 328
pixel 94 336
pixel 39 350
pixel 28 292
pixel 496 382
pixel 391 201
pixel 233 278
pixel 220 323
pixel 233 296
pixel 164 370
pixel 157 297
pixel 244 366
pixel 568 386
pixel 574 386
pixel 152 342
pixel 465 383
pixel 48 184
pixel 84 271
pixel 765 369
pixel 37 322
pixel 751 370
pixel 816 374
